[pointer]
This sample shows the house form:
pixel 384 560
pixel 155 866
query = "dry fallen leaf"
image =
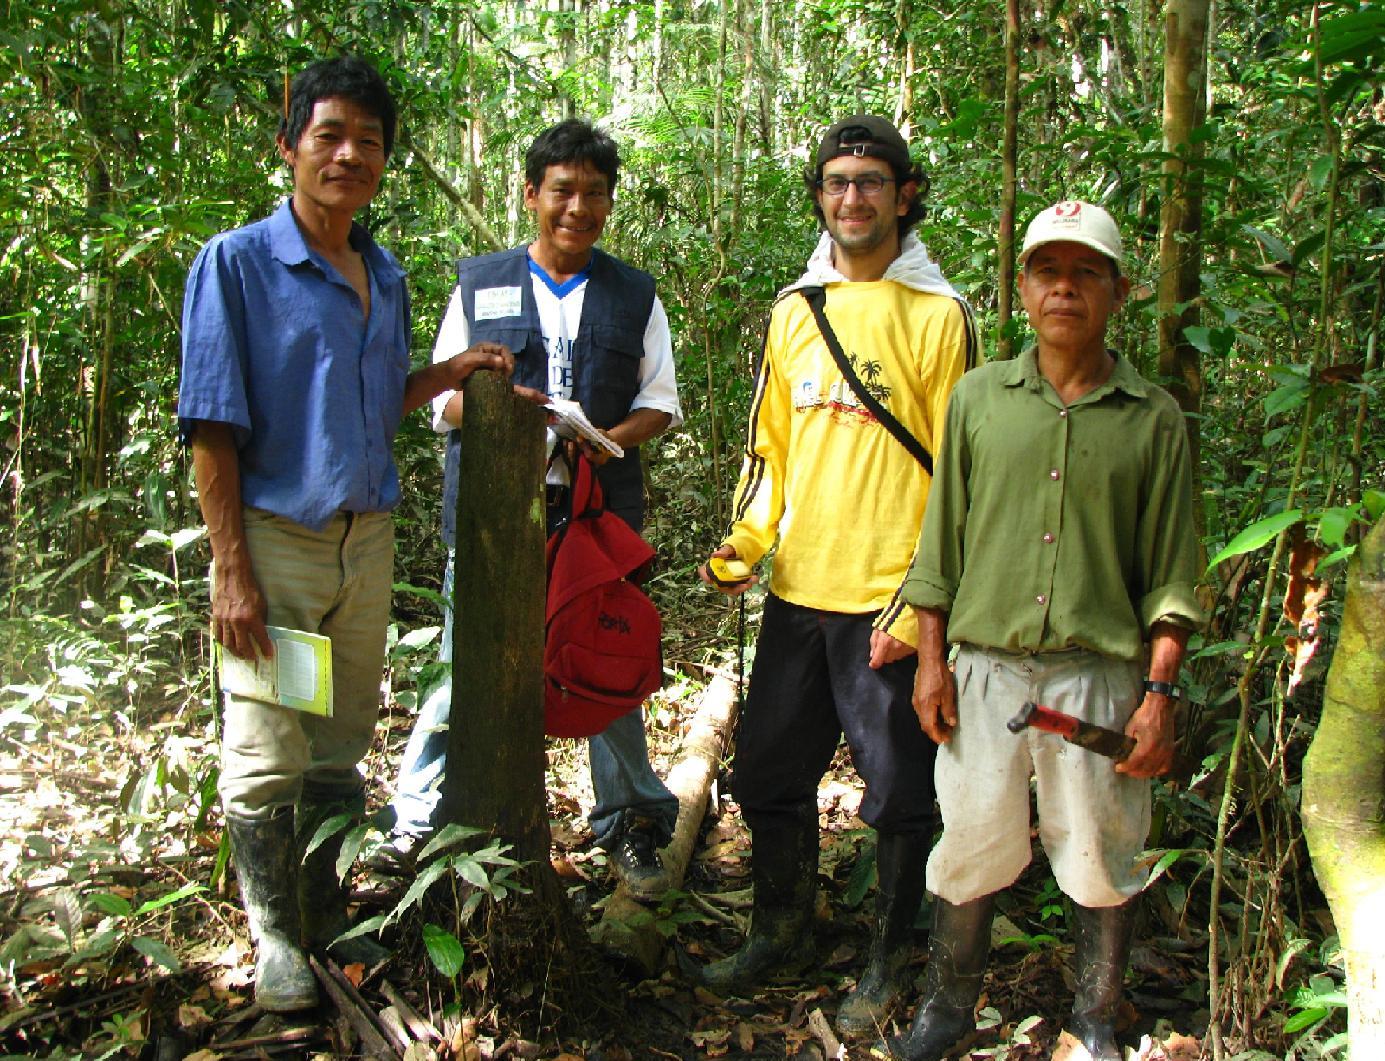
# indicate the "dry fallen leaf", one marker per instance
pixel 1303 600
pixel 192 1016
pixel 745 1037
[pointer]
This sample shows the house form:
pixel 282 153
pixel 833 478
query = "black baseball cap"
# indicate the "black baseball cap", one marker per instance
pixel 865 136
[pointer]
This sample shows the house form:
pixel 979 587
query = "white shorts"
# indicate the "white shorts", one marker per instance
pixel 1093 822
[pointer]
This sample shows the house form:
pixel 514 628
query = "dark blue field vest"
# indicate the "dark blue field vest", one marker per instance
pixel 606 354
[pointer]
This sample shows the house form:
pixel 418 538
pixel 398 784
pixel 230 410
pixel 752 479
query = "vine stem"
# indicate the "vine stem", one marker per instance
pixel 1245 685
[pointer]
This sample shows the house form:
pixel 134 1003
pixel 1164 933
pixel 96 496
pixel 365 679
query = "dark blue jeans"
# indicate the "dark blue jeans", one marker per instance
pixel 812 685
pixel 625 785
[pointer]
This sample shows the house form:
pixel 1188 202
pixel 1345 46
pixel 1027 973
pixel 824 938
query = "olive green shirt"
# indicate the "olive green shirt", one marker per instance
pixel 1052 527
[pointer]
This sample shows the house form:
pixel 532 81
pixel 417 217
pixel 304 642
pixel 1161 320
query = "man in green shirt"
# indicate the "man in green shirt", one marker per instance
pixel 1058 553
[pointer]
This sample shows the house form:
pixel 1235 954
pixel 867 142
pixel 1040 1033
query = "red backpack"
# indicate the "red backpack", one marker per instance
pixel 602 656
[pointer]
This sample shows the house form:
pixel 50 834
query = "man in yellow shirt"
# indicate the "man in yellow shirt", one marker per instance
pixel 837 488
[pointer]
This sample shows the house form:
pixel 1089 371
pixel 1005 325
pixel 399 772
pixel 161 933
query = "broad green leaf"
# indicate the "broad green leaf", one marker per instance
pixel 1334 523
pixel 328 829
pixel 350 848
pixel 1374 500
pixel 1200 337
pixel 862 877
pixel 1275 247
pixel 1303 1019
pixel 110 903
pixel 472 872
pixel 1320 172
pixel 1336 557
pixel 419 887
pixel 1167 859
pixel 157 952
pixel 1285 399
pixel 370 924
pixel 191 888
pixel 1306 246
pixel 449 835
pixel 416 639
pixel 444 949
pixel 1257 534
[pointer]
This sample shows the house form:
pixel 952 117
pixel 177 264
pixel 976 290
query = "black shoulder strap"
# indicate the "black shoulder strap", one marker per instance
pixel 817 298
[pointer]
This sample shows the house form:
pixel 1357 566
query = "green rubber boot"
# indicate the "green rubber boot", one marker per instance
pixel 783 868
pixel 957 952
pixel 1100 953
pixel 900 859
pixel 267 870
pixel 322 895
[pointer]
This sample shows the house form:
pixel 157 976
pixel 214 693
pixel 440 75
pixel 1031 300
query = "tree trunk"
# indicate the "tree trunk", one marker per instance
pixel 1180 222
pixel 495 750
pixel 1344 795
pixel 1009 159
pixel 494 778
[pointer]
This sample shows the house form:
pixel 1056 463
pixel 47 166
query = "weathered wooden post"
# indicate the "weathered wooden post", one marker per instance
pixel 495 751
pixel 528 955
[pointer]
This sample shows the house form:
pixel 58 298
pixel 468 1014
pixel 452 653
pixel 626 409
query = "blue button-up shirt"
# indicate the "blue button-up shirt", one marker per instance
pixel 275 343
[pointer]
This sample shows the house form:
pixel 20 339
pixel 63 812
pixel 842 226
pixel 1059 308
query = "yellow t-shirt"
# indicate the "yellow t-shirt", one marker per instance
pixel 843 496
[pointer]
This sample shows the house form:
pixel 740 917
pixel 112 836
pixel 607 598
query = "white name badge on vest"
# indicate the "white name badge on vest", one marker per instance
pixel 494 302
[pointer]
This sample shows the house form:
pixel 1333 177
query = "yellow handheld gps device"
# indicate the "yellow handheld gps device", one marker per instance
pixel 728 572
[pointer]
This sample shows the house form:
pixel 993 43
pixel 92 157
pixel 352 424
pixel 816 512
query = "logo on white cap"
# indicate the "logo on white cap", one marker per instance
pixel 1076 222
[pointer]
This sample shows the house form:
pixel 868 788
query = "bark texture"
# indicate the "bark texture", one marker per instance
pixel 1180 221
pixel 1344 795
pixel 495 746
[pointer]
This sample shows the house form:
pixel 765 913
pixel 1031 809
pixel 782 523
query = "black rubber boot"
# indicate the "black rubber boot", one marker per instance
pixel 322 895
pixel 957 952
pixel 266 867
pixel 1101 951
pixel 783 869
pixel 900 859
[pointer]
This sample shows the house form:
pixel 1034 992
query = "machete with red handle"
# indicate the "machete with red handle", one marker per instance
pixel 1094 738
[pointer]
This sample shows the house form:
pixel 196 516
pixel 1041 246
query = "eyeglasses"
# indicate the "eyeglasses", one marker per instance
pixel 867 184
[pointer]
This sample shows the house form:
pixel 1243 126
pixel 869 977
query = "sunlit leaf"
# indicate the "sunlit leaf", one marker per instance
pixel 1257 534
pixel 190 888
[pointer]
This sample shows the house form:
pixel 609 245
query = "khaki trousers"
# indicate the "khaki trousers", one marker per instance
pixel 335 582
pixel 1093 822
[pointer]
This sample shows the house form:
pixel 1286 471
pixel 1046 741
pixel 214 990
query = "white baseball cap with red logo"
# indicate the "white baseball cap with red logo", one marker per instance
pixel 1074 222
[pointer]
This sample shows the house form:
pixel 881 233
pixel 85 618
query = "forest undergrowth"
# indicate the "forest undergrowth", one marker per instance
pixel 122 935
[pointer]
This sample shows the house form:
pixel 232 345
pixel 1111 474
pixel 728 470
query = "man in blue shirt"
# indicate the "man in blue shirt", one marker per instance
pixel 295 378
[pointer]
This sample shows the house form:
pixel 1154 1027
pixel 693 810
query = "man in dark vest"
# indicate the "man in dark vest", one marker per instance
pixel 586 326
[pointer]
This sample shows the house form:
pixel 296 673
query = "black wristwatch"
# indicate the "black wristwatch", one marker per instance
pixel 1173 692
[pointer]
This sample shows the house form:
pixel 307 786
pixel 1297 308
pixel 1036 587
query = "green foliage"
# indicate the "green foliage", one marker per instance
pixel 668 915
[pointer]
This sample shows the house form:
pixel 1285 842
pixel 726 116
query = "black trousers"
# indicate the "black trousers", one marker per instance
pixel 811 685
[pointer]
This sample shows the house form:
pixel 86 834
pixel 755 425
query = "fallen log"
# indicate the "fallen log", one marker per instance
pixel 627 926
